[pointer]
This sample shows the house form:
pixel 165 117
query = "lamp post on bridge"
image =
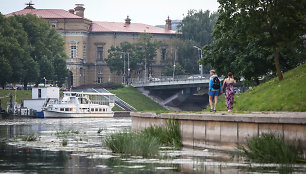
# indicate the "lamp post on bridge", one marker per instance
pixel 200 66
pixel 126 80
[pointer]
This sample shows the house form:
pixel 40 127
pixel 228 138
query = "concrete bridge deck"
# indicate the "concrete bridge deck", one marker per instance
pixel 224 130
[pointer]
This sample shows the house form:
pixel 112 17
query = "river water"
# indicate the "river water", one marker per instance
pixel 76 146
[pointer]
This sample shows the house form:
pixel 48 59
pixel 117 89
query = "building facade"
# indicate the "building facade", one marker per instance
pixel 87 42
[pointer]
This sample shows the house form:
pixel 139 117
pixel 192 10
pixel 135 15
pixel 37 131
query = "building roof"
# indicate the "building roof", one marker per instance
pixel 46 13
pixel 122 27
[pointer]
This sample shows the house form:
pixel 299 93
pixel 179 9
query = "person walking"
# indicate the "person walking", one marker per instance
pixel 214 88
pixel 228 84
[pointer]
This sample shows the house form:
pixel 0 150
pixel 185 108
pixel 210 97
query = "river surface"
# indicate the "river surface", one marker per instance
pixel 76 146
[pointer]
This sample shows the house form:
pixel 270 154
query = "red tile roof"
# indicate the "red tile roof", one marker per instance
pixel 127 28
pixel 96 26
pixel 47 13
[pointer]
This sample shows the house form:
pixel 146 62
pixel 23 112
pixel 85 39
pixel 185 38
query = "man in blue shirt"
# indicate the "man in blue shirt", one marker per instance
pixel 214 89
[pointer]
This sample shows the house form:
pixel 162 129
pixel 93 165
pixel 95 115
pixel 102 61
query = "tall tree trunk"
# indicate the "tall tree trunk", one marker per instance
pixel 276 62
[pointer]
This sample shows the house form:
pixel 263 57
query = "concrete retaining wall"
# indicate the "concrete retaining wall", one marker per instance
pixel 122 114
pixel 222 130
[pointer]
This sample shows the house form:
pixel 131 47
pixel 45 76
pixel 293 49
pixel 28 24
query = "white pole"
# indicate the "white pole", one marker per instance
pixel 128 68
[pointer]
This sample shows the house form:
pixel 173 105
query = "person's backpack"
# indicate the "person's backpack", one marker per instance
pixel 216 83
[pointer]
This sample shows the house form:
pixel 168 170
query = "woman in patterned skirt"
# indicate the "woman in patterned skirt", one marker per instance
pixel 228 85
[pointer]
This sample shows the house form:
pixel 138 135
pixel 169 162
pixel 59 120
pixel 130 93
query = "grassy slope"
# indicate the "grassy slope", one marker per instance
pixel 20 94
pixel 136 99
pixel 274 95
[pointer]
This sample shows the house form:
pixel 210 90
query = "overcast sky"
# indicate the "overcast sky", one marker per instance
pixel 153 12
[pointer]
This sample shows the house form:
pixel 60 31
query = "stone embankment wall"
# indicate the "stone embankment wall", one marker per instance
pixel 122 114
pixel 222 130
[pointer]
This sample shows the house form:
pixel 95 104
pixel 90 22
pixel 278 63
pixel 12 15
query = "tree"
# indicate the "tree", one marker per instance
pixel 28 49
pixel 198 26
pixel 46 44
pixel 188 56
pixel 5 71
pixel 116 56
pixel 179 70
pixel 246 59
pixel 272 24
pixel 61 71
pixel 146 51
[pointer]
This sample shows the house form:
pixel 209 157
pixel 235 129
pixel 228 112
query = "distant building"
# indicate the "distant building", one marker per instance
pixel 87 42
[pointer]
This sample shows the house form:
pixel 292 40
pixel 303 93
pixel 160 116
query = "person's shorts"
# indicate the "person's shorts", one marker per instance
pixel 213 93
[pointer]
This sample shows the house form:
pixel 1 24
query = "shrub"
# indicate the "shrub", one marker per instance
pixel 269 147
pixel 64 142
pixel 129 143
pixel 167 136
pixel 30 137
pixel 145 143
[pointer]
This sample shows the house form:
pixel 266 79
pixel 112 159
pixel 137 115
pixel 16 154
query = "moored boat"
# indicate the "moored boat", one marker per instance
pixel 80 105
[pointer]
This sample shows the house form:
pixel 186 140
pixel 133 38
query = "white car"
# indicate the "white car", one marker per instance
pixel 195 77
pixel 154 79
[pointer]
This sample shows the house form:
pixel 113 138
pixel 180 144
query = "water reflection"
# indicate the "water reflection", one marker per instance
pixel 85 152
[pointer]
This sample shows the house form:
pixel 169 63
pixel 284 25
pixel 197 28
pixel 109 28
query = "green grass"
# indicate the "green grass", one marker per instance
pixel 145 143
pixel 129 143
pixel 20 94
pixel 167 136
pixel 136 99
pixel 274 95
pixel 272 148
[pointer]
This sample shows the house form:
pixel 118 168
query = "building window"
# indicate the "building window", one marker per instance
pixel 73 49
pixel 53 25
pixel 163 53
pixel 99 80
pixel 99 53
pixel 84 50
pixel 73 52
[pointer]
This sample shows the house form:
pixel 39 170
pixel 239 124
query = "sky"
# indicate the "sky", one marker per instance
pixel 153 12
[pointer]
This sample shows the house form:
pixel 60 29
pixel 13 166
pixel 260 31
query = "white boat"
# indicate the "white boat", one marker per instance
pixel 80 105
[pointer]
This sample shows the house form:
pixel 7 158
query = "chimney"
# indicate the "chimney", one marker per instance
pixel 71 11
pixel 79 10
pixel 128 20
pixel 168 24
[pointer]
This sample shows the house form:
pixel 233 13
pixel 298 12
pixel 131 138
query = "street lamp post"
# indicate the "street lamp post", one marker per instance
pixel 124 77
pixel 128 68
pixel 201 56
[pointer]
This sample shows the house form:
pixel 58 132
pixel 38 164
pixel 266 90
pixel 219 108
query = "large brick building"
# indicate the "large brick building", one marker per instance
pixel 87 42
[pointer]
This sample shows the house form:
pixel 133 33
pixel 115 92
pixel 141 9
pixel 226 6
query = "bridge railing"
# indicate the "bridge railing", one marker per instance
pixel 169 80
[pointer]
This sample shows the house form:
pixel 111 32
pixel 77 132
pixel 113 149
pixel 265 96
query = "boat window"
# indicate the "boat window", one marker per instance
pixel 62 109
pixel 66 109
pixel 96 109
pixel 103 110
pixel 100 109
pixel 92 109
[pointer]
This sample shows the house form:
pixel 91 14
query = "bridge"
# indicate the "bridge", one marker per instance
pixel 169 91
pixel 190 81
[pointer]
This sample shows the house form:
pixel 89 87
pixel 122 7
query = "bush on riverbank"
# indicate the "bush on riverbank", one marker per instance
pixel 145 143
pixel 167 136
pixel 274 95
pixel 269 147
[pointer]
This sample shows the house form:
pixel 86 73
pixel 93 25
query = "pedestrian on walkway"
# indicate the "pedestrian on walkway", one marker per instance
pixel 228 84
pixel 214 89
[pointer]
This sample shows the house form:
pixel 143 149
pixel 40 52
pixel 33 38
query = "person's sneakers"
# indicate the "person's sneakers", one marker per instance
pixel 215 110
pixel 210 110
